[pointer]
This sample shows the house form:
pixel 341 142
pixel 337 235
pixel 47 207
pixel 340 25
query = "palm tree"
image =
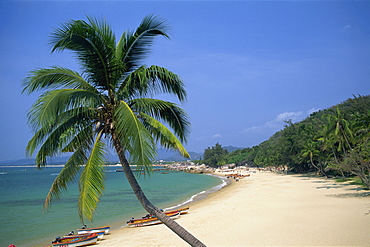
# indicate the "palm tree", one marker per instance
pixel 110 103
pixel 362 125
pixel 310 150
pixel 338 136
pixel 339 127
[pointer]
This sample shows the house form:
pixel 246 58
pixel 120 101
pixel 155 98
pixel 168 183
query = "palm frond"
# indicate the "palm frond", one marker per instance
pixel 52 104
pixel 66 175
pixel 169 112
pixel 167 82
pixel 54 77
pixel 81 138
pixel 134 46
pixel 69 136
pixel 93 43
pixel 91 184
pixel 163 135
pixel 134 136
pixel 66 120
pixel 151 81
pixel 57 116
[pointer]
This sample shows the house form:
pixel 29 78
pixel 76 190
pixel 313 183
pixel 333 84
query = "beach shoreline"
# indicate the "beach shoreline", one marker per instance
pixel 119 204
pixel 267 209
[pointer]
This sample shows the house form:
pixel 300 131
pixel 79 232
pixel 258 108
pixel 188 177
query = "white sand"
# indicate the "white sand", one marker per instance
pixel 267 209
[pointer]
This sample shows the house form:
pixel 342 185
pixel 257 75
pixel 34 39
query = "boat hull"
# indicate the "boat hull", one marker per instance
pixel 151 221
pixel 76 241
pixel 181 210
pixel 99 233
pixel 94 229
pixel 168 213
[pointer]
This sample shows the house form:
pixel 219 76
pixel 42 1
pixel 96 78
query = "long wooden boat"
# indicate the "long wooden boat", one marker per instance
pixel 73 241
pixel 151 221
pixel 181 211
pixel 93 229
pixel 99 233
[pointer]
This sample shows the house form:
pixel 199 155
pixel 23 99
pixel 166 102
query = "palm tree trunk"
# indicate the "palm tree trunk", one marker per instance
pixel 322 170
pixel 147 205
pixel 345 138
pixel 317 169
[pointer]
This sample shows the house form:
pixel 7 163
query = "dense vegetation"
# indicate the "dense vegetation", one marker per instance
pixel 334 141
pixel 215 156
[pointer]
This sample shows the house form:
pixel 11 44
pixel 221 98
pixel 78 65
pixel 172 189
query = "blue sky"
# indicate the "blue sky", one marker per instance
pixel 247 65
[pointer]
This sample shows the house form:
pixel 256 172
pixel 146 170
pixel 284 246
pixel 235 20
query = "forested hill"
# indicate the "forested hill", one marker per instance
pixel 330 140
pixel 314 126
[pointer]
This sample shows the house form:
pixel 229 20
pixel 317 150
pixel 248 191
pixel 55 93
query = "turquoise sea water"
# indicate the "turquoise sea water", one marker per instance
pixel 23 190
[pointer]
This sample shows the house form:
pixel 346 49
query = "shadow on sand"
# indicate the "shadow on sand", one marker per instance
pixel 330 183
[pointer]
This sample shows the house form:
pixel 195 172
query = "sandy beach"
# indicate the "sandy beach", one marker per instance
pixel 267 209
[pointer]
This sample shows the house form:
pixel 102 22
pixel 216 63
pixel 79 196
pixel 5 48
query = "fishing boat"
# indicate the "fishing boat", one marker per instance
pixel 75 241
pixel 150 221
pixel 149 216
pixel 84 229
pixel 99 233
pixel 181 210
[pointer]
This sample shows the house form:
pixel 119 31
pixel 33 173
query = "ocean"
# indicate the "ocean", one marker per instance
pixel 23 190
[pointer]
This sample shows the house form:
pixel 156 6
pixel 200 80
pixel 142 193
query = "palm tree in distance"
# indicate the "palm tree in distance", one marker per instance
pixel 311 150
pixel 110 103
pixel 339 128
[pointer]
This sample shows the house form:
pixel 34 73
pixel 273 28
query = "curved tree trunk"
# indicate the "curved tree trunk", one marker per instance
pixel 322 170
pixel 345 138
pixel 147 205
pixel 318 170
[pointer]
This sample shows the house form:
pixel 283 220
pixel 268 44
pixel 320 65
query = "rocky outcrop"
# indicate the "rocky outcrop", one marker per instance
pixel 191 167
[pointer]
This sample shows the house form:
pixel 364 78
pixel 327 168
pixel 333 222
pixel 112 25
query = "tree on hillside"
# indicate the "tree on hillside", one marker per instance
pixel 215 156
pixel 362 125
pixel 289 146
pixel 240 156
pixel 110 103
pixel 357 162
pixel 326 139
pixel 338 127
pixel 338 136
pixel 311 150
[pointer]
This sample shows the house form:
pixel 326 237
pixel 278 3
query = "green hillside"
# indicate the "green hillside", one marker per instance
pixel 334 141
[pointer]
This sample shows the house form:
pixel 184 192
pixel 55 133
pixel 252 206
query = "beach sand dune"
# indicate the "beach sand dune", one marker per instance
pixel 267 209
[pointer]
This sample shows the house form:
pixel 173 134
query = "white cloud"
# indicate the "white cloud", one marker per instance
pixel 278 122
pixel 347 27
pixel 216 136
pixel 312 110
pixel 254 129
pixel 288 115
